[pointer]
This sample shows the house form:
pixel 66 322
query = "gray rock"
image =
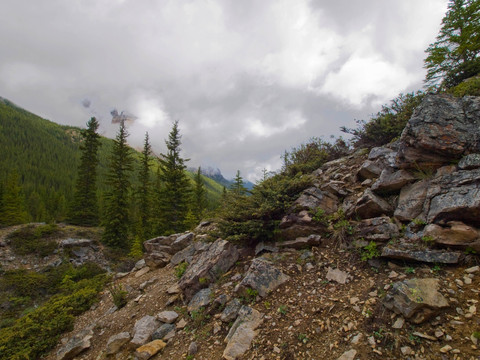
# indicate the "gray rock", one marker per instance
pixel 426 255
pixel 209 265
pixel 182 241
pixel 140 264
pixel 167 317
pixel 263 247
pixel 384 157
pixel 301 242
pixel 75 345
pixel 70 243
pixel 157 259
pixel 471 161
pixel 143 330
pixel 369 170
pixel 231 311
pixel 162 331
pixel 348 355
pixel 443 128
pixel 200 299
pixel 116 342
pixel 416 299
pixel 158 243
pixel 314 198
pixel 411 200
pixel 242 333
pixel 263 277
pixel 337 275
pixel 377 229
pixel 392 182
pixel 192 348
pixel 183 255
pixel 370 206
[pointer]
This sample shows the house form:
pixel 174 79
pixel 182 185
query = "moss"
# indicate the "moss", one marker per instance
pixel 469 87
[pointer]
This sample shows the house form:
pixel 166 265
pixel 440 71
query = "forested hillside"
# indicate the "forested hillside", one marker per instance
pixel 46 156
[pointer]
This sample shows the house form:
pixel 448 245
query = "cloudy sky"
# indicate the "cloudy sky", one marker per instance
pixel 246 79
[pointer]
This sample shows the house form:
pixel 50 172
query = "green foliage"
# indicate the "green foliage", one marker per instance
pixel 454 56
pixel 117 217
pixel 180 269
pixel 84 209
pixel 429 240
pixel 119 295
pixel 250 295
pixel 302 338
pixel 144 193
pixel 176 188
pixel 136 250
pixel 12 204
pixel 238 186
pixel 387 124
pixel 199 197
pixel 34 240
pixel 469 87
pixel 410 270
pixel 282 309
pixel 370 251
pixel 419 222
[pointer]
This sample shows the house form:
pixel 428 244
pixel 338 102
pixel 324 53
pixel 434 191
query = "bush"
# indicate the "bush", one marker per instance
pixel 180 269
pixel 34 240
pixel 470 87
pixel 119 295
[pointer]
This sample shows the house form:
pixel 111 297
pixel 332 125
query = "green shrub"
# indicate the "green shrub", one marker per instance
pixel 180 269
pixel 370 251
pixel 119 295
pixel 34 240
pixel 469 86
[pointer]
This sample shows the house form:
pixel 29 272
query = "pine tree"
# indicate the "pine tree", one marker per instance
pixel 84 209
pixel 238 186
pixel 199 196
pixel 144 192
pixel 13 205
pixel 117 219
pixel 176 188
pixel 455 55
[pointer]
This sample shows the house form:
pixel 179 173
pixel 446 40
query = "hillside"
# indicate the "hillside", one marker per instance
pixel 46 156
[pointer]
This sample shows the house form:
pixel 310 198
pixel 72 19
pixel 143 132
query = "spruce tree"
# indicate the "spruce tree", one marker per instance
pixel 176 188
pixel 116 218
pixel 84 209
pixel 455 55
pixel 144 192
pixel 238 186
pixel 199 196
pixel 13 205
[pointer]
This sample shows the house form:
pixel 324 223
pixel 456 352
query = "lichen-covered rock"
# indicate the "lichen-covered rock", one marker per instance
pixel 263 277
pixel 469 162
pixel 416 299
pixel 242 333
pixel 208 265
pixel 143 330
pixel 162 331
pixel 314 198
pixel 146 351
pixel 443 128
pixel 231 310
pixel 199 300
pixel 377 229
pixel 371 205
pixel 411 200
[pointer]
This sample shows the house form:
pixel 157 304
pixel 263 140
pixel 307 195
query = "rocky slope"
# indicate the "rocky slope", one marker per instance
pixel 379 259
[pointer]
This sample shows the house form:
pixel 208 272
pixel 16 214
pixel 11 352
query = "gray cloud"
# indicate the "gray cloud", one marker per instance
pixel 246 79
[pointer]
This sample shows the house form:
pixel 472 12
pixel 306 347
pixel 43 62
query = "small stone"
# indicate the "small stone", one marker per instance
pixel 192 348
pixel 439 333
pixel 445 349
pixel 142 271
pixel 392 275
pixel 348 355
pixel 356 339
pixel 276 350
pixel 162 331
pixel 472 269
pixel 174 289
pixel 459 282
pixel 181 324
pixel 354 300
pixel 337 275
pixel 398 323
pixel 406 350
pixel 167 317
pixel 424 336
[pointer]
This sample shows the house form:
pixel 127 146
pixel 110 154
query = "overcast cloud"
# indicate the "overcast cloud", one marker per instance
pixel 246 79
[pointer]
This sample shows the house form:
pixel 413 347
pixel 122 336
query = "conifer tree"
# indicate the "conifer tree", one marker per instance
pixel 144 192
pixel 238 186
pixel 176 188
pixel 199 196
pixel 455 55
pixel 13 205
pixel 116 219
pixel 84 209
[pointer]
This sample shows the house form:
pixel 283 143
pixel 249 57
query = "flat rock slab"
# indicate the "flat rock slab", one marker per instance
pixel 199 300
pixel 314 198
pixel 231 310
pixel 263 277
pixel 411 200
pixel 209 265
pixel 427 256
pixel 416 299
pixel 337 275
pixel 371 205
pixel 392 182
pixel 143 330
pixel 116 342
pixel 70 243
pixel 167 317
pixel 75 345
pixel 301 242
pixel 162 331
pixel 242 332
pixel 146 351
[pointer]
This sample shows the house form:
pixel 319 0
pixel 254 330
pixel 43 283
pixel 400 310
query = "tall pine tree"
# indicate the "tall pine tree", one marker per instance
pixel 84 209
pixel 238 186
pixel 116 218
pixel 199 196
pixel 13 204
pixel 144 192
pixel 176 188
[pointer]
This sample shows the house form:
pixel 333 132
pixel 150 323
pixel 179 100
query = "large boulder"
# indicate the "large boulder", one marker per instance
pixel 443 128
pixel 182 241
pixel 208 266
pixel 370 205
pixel 416 299
pixel 159 243
pixel 391 182
pixel 314 198
pixel 411 200
pixel 263 277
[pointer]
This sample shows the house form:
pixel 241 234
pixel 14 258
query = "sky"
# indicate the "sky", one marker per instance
pixel 246 79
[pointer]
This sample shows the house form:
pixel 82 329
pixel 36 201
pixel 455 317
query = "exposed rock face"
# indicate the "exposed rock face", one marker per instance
pixel 427 255
pixel 159 250
pixel 377 229
pixel 369 170
pixel 200 299
pixel 456 234
pixel 370 206
pixel 443 128
pixel 301 242
pixel 70 243
pixel 157 259
pixel 416 299
pixel 411 200
pixel 392 182
pixel 231 310
pixel 263 277
pixel 314 198
pixel 218 259
pixel 242 333
pixel 298 225
pixel 75 345
pixel 469 162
